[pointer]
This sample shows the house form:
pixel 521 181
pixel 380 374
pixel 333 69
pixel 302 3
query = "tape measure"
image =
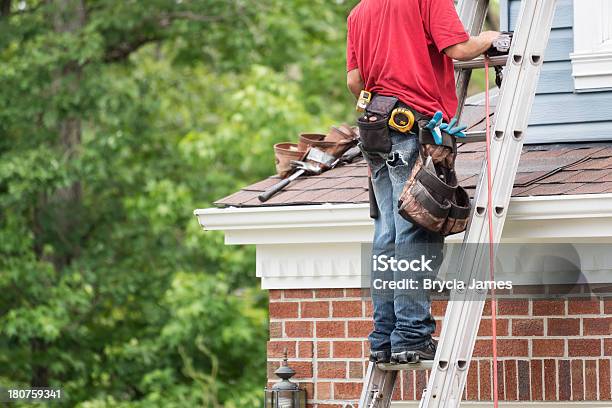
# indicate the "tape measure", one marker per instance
pixel 401 119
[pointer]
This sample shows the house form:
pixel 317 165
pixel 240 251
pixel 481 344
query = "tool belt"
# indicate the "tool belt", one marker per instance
pixel 374 124
pixel 431 197
pixel 284 154
pixel 317 150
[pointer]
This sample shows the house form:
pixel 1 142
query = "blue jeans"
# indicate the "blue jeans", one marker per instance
pixel 402 318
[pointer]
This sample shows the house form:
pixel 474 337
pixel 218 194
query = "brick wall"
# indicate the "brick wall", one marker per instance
pixel 549 350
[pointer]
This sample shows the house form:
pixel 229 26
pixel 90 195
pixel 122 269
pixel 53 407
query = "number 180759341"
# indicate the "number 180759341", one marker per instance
pixel 30 394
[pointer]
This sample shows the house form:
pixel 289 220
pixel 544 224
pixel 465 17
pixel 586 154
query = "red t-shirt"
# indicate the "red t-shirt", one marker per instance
pixel 397 46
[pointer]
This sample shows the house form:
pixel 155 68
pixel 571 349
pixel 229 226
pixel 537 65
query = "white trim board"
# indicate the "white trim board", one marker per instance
pixel 592 56
pixel 319 246
pixel 544 217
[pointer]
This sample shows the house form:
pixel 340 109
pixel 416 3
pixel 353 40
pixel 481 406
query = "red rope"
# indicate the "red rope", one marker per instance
pixel 491 243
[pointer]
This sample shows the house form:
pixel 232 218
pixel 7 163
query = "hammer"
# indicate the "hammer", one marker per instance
pixel 303 167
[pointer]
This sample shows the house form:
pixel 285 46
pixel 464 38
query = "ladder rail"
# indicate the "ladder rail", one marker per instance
pixel 456 317
pixel 472 13
pixel 445 386
pixel 464 311
pixel 377 393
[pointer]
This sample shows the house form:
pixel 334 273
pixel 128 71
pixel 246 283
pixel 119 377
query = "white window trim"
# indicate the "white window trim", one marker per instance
pixel 592 56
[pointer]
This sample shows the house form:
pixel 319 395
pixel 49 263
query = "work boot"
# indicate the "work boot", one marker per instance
pixel 425 352
pixel 381 356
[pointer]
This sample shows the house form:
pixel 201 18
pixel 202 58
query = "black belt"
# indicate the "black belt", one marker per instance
pixel 384 105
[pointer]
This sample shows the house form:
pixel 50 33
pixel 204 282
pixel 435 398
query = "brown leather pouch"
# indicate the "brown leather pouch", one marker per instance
pixel 340 134
pixel 432 198
pixel 308 140
pixel 459 213
pixel 338 141
pixel 425 199
pixel 284 154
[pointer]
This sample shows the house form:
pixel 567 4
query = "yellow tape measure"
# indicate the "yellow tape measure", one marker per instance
pixel 401 119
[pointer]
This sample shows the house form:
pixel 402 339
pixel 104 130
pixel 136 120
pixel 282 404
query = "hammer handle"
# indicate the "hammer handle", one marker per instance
pixel 374 213
pixel 266 195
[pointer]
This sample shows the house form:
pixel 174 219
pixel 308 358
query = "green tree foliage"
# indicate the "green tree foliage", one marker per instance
pixel 117 119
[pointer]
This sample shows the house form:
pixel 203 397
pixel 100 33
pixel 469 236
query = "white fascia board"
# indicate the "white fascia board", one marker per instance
pixel 552 217
pixel 325 215
pixel 290 224
pixel 561 207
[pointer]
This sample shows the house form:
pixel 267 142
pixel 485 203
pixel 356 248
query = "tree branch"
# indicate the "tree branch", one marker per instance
pixel 188 15
pixel 133 40
pixel 123 50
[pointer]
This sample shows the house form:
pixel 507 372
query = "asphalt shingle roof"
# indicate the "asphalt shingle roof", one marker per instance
pixel 545 169
pixel 560 169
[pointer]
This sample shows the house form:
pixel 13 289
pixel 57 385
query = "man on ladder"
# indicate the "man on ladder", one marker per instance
pixel 401 52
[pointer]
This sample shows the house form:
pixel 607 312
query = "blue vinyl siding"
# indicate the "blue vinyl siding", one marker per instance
pixel 559 114
pixel 564 15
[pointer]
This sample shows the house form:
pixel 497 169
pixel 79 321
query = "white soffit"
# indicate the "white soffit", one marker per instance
pixel 319 246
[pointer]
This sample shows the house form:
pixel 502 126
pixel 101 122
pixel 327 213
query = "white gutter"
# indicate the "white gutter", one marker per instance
pixel 325 215
pixel 561 207
pixel 544 217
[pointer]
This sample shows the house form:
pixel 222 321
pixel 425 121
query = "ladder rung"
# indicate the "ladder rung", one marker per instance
pixel 473 137
pixel 499 60
pixel 423 365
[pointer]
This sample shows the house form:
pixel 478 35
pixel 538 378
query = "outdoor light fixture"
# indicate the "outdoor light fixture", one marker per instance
pixel 285 394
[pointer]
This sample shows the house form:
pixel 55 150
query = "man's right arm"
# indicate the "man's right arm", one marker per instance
pixel 354 82
pixel 473 47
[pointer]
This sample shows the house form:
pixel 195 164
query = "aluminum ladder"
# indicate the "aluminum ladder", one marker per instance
pixel 450 367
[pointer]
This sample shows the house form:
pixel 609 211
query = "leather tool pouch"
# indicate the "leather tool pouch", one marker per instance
pixel 432 197
pixel 459 213
pixel 425 200
pixel 335 143
pixel 284 154
pixel 374 134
